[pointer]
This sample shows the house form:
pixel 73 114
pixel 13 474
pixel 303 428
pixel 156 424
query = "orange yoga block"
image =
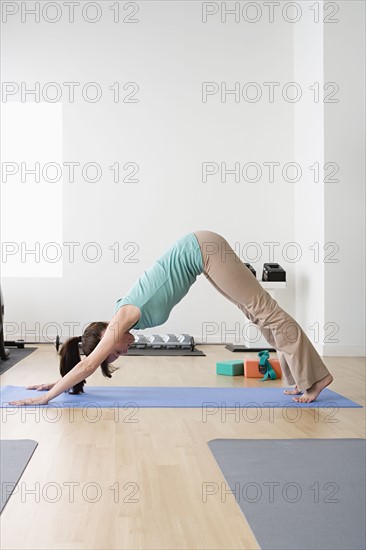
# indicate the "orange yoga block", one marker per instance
pixel 251 368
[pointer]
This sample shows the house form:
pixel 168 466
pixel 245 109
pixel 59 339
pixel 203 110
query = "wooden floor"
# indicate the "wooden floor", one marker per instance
pixel 135 479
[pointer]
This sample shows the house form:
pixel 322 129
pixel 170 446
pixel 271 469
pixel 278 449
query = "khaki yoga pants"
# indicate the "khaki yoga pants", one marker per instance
pixel 300 362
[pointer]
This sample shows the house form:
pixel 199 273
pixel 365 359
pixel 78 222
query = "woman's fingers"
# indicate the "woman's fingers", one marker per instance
pixel 30 401
pixel 39 387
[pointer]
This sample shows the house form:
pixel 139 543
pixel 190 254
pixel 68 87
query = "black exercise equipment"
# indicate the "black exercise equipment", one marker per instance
pixel 249 266
pixel 273 272
pixel 242 348
pixel 57 342
pixel 4 352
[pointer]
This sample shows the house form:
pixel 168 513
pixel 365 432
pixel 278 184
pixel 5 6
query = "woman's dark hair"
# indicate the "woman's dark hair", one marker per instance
pixel 70 352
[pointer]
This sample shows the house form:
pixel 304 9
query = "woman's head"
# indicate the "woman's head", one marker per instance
pixel 70 352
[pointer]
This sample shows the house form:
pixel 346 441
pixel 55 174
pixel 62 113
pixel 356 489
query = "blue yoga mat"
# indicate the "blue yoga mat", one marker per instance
pixel 178 397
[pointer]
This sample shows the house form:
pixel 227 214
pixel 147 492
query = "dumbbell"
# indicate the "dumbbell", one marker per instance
pixel 171 341
pixel 273 272
pixel 140 341
pixel 186 341
pixel 156 341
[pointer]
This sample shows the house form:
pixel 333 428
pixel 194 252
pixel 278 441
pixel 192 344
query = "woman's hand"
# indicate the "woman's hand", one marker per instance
pixel 31 401
pixel 41 387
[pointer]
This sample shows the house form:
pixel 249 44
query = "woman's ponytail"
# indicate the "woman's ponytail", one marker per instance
pixel 69 357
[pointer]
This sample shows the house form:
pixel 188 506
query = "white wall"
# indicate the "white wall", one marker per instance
pixel 330 289
pixel 309 193
pixel 169 132
pixel 344 215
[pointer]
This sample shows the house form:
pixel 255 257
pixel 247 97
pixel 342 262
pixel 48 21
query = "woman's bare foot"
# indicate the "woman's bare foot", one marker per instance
pixel 294 391
pixel 312 393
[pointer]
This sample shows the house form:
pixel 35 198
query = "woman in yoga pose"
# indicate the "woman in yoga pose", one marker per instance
pixel 151 299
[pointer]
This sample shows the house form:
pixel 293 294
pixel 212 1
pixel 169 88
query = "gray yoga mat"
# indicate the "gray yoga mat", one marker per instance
pixel 14 457
pixel 16 355
pixel 296 493
pixel 164 352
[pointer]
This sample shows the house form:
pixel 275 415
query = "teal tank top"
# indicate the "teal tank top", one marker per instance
pixel 161 287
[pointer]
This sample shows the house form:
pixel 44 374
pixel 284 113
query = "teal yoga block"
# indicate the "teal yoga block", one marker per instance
pixel 230 368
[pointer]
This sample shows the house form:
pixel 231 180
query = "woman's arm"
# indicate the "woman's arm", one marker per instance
pixel 113 337
pixel 76 375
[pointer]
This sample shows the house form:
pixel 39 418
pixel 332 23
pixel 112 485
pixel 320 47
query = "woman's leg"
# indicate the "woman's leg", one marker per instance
pixel 268 335
pixel 299 359
pixel 266 332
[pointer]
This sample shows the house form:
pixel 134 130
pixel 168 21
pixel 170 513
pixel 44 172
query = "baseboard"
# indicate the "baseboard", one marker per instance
pixel 343 350
pixel 327 350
